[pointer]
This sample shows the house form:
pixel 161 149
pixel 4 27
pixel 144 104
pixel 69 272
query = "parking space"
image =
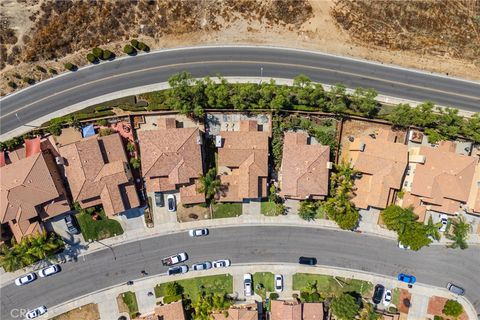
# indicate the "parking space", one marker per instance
pixel 59 226
pixel 161 214
pixel 132 219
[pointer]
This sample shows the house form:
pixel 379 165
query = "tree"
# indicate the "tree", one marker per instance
pixel 70 66
pixel 209 184
pixel 415 237
pixel 459 233
pixel 135 162
pixel 91 58
pixel 128 49
pixel 431 229
pixel 173 288
pixel 398 219
pixel 368 312
pixel 452 308
pixel 363 101
pixel 345 307
pixel 308 210
pixel 306 92
pixel 41 69
pixel 336 102
pixel 217 94
pixel 449 123
pixel 186 95
pixel 131 146
pixel 402 116
pixel 206 304
pixel 12 84
pixel 97 52
pixel 55 129
pixel 134 43
pixel 245 96
pixel 471 128
pixel 107 54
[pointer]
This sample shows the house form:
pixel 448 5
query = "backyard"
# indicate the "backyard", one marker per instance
pixel 101 228
pixel 220 284
pixel 332 286
pixel 227 210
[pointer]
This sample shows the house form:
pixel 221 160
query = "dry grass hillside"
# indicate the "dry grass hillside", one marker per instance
pixel 38 36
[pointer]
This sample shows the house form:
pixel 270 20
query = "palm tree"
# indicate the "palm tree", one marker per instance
pixel 209 184
pixel 431 229
pixel 459 234
pixel 9 259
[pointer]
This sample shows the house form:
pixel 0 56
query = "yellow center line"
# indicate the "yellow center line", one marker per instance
pixel 239 62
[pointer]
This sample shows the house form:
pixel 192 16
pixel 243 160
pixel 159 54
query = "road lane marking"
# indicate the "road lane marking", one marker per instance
pixel 239 62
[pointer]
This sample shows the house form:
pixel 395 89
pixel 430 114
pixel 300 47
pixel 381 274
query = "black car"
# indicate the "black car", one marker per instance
pixel 308 261
pixel 71 224
pixel 378 294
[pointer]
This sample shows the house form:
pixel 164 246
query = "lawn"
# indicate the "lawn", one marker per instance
pixel 268 208
pixel 263 283
pixel 130 299
pixel 328 286
pixel 221 284
pixel 227 210
pixel 395 296
pixel 98 229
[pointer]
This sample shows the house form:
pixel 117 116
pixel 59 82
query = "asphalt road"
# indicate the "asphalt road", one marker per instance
pixel 145 69
pixel 435 265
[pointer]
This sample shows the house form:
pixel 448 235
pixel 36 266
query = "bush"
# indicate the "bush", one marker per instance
pixel 55 129
pixel 274 296
pixel 135 162
pixel 102 122
pixel 437 318
pixel 28 80
pixel 107 54
pixel 91 58
pixel 142 46
pixel 106 132
pixel 452 308
pixel 134 43
pixel 170 299
pixel 128 49
pixel 41 69
pixel 97 52
pixel 12 84
pixel 52 71
pixel 70 66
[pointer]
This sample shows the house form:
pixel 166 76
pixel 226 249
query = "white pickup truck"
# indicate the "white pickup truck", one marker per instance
pixel 174 259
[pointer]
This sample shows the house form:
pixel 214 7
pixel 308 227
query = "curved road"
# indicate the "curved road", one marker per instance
pixel 57 93
pixel 435 265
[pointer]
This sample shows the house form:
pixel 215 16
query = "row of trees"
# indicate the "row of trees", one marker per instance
pixel 31 249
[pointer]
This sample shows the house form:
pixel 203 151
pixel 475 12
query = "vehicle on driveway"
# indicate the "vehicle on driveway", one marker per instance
pixel 177 270
pixel 71 223
pixel 247 284
pixel 174 259
pixel 172 206
pixel 37 312
pixel 378 294
pixel 198 232
pixel 387 298
pixel 25 279
pixel 278 283
pixel 202 266
pixel 444 221
pixel 159 199
pixel 407 278
pixel 402 246
pixel 50 270
pixel 221 263
pixel 455 289
pixel 311 261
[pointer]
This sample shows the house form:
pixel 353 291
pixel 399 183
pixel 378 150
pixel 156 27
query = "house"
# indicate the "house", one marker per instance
pixel 292 310
pixel 171 311
pixel 243 163
pixel 31 189
pixel 172 159
pixel 98 173
pixel 305 167
pixel 441 180
pixel 473 202
pixel 381 161
pixel 237 313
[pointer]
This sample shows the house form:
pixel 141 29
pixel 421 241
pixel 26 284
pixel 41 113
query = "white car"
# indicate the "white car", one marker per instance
pixel 37 312
pixel 221 263
pixel 278 283
pixel 444 221
pixel 29 277
pixel 247 284
pixel 198 232
pixel 48 271
pixel 387 298
pixel 171 205
pixel 202 266
pixel 402 246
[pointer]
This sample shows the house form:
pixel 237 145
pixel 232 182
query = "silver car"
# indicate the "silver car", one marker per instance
pixel 202 266
pixel 221 263
pixel 455 289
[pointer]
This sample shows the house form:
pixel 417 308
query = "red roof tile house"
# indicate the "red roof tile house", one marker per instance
pixel 473 203
pixel 98 173
pixel 171 311
pixel 31 189
pixel 243 163
pixel 292 310
pixel 172 159
pixel 237 313
pixel 305 168
pixel 382 161
pixel 439 179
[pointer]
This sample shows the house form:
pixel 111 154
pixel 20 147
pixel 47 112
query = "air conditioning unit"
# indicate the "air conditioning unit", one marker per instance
pixel 218 141
pixel 59 160
pixel 199 140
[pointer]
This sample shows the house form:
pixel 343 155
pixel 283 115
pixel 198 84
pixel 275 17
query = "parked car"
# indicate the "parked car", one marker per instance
pixel 177 270
pixel 50 270
pixel 202 266
pixel 221 263
pixel 407 278
pixel 174 259
pixel 37 312
pixel 198 232
pixel 172 206
pixel 311 261
pixel 247 284
pixel 387 298
pixel 444 221
pixel 455 289
pixel 71 224
pixel 378 294
pixel 402 246
pixel 278 283
pixel 159 199
pixel 27 278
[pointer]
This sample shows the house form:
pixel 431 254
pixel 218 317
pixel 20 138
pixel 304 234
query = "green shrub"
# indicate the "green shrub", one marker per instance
pixel 91 58
pixel 134 43
pixel 274 296
pixel 28 80
pixel 135 162
pixel 128 49
pixel 97 52
pixel 52 71
pixel 69 66
pixel 107 54
pixel 105 132
pixel 41 69
pixel 102 122
pixel 437 318
pixel 12 84
pixel 55 129
pixel 452 308
pixel 170 299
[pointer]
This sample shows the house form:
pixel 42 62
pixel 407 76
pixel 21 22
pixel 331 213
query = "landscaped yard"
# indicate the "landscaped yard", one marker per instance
pixel 268 208
pixel 227 210
pixel 263 283
pixel 130 300
pixel 98 229
pixel 328 285
pixel 86 312
pixel 395 296
pixel 221 284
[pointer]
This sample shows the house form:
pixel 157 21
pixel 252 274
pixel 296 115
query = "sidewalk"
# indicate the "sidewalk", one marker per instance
pixel 420 293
